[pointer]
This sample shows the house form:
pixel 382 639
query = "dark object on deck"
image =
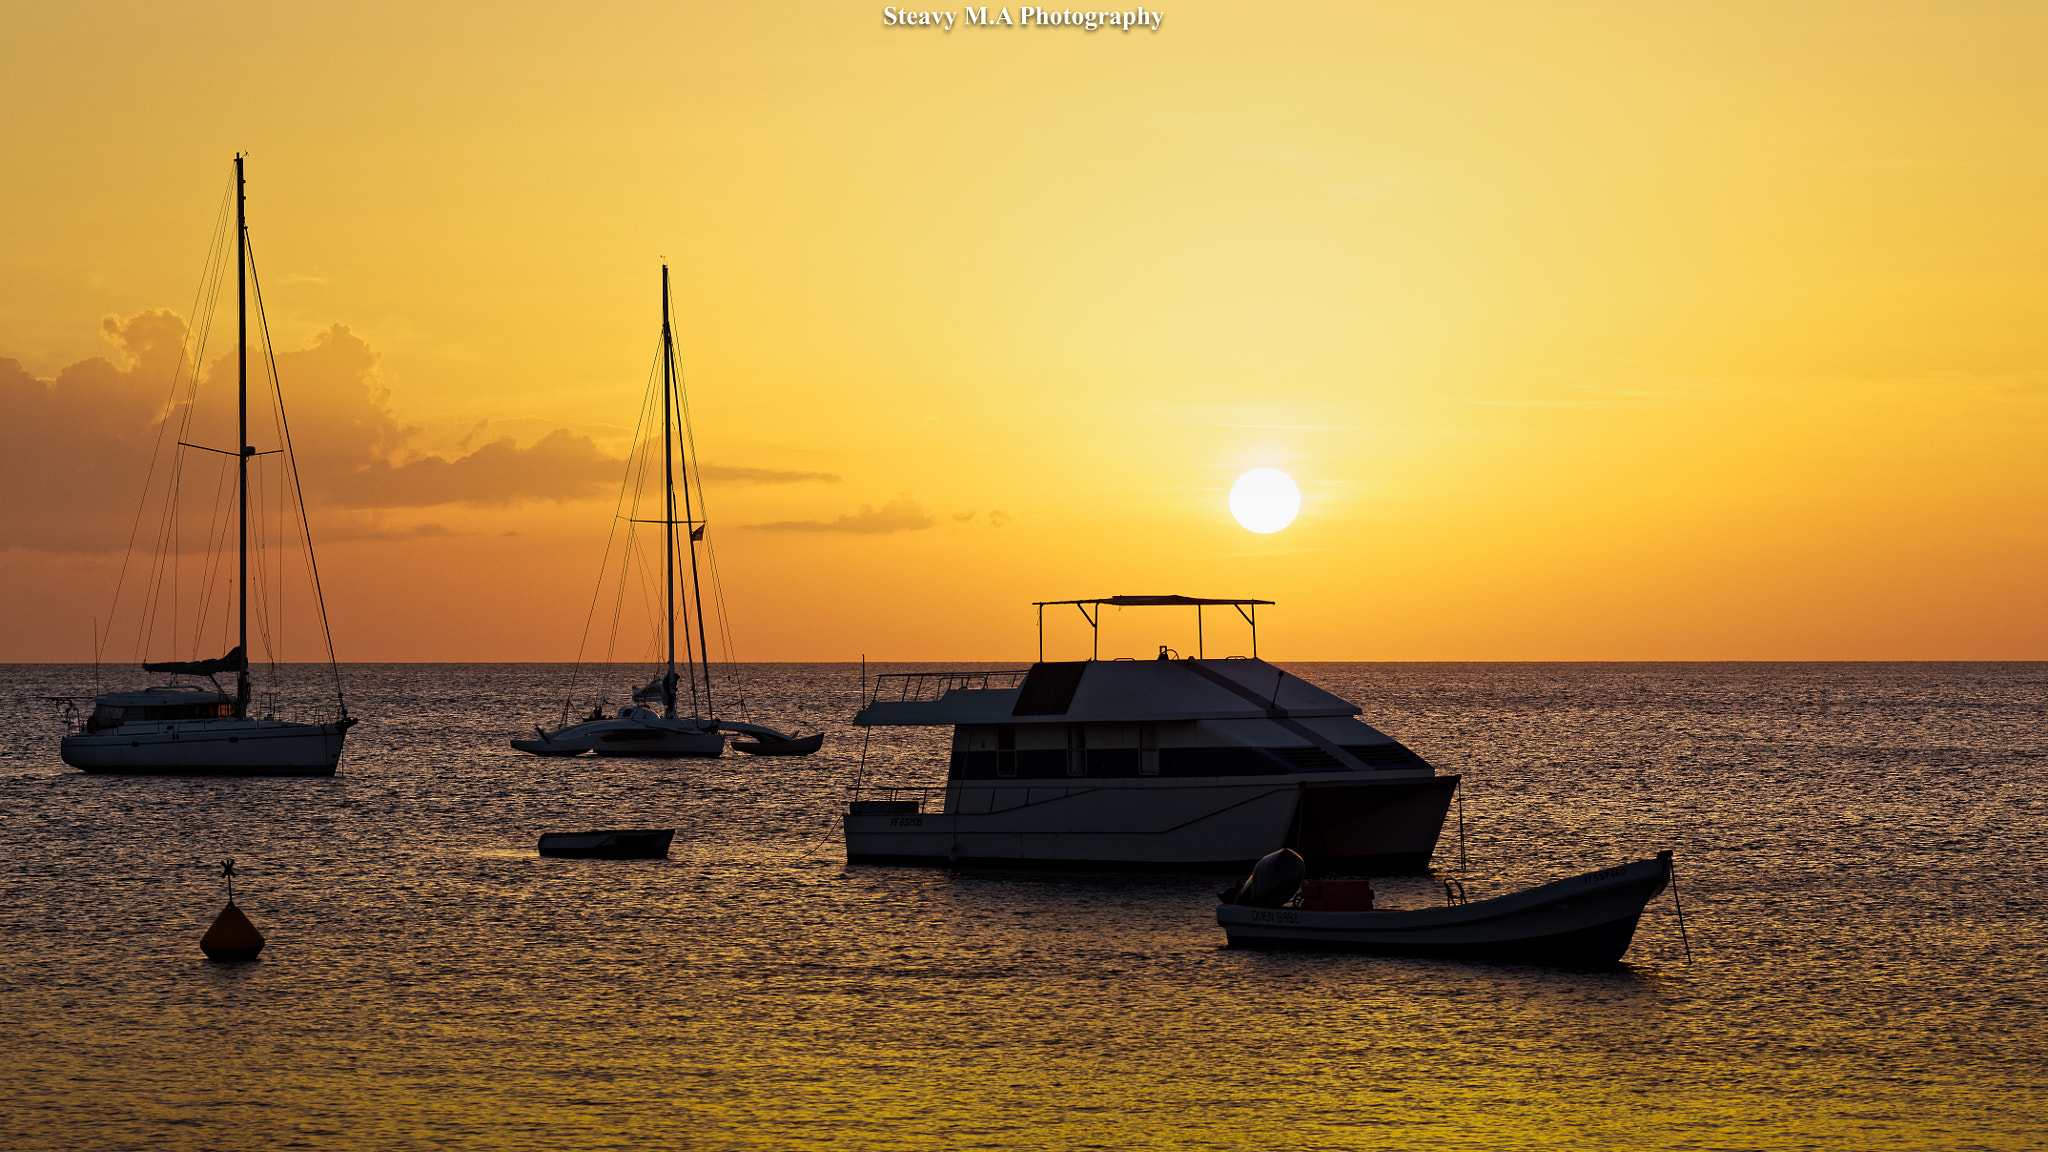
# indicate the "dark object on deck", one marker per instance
pixel 1273 881
pixel 232 937
pixel 621 844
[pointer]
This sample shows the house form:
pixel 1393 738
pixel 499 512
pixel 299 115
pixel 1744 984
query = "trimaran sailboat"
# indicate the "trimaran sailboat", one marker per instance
pixel 184 729
pixel 637 729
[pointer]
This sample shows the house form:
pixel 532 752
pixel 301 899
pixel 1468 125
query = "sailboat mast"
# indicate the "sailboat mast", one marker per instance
pixel 242 449
pixel 668 522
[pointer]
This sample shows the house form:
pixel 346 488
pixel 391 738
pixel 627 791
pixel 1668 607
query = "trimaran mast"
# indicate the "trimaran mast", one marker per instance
pixel 668 516
pixel 670 583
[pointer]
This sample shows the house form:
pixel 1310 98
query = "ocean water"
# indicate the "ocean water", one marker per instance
pixel 1860 851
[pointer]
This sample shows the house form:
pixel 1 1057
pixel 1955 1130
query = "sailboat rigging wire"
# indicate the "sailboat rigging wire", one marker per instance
pixel 604 565
pixel 635 562
pixel 168 564
pixel 688 444
pixel 689 527
pixel 647 582
pixel 631 561
pixel 196 359
pixel 628 559
pixel 276 647
pixel 732 667
pixel 210 562
pixel 291 460
pixel 261 577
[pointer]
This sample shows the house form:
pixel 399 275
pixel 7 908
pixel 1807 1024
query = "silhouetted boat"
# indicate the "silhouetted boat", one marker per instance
pixel 637 729
pixel 1167 763
pixel 766 744
pixel 625 844
pixel 186 730
pixel 1585 920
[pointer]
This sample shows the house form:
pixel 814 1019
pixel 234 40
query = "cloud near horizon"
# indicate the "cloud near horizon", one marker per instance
pixel 75 450
pixel 902 514
pixel 725 473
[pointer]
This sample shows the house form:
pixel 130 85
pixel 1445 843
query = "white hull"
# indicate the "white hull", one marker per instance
pixel 225 747
pixel 628 737
pixel 1379 824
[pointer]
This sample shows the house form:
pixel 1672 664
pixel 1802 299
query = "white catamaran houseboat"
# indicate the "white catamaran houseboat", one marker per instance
pixel 1169 763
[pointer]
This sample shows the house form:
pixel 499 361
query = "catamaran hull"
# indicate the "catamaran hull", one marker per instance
pixel 1381 826
pixel 626 737
pixel 1585 920
pixel 660 743
pixel 211 748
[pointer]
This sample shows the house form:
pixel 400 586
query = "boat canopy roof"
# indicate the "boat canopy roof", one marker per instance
pixel 1100 691
pixel 1248 609
pixel 1148 601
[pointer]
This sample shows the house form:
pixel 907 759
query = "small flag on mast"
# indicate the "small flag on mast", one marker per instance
pixel 697 533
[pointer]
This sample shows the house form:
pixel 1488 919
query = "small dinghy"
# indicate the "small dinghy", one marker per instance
pixel 1584 921
pixel 763 744
pixel 626 844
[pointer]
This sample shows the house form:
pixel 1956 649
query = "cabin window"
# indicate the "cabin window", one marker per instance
pixel 184 711
pixel 1148 749
pixel 1006 749
pixel 1077 749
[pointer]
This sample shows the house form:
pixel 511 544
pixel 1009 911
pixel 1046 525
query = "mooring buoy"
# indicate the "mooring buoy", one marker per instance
pixel 232 937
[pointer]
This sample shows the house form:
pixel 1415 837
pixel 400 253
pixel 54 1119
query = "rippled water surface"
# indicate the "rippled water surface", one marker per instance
pixel 1860 851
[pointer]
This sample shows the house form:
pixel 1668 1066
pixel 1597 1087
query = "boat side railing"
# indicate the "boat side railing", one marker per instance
pixel 918 687
pixel 922 793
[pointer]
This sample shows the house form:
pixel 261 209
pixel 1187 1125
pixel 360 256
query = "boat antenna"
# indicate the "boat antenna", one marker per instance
pixel 668 526
pixel 242 449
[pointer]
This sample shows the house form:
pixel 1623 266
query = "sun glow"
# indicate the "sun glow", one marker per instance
pixel 1265 500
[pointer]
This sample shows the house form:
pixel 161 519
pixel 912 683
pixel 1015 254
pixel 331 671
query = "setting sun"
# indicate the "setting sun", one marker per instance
pixel 1265 500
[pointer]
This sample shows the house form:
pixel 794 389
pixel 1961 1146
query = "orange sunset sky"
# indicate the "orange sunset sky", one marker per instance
pixel 1589 330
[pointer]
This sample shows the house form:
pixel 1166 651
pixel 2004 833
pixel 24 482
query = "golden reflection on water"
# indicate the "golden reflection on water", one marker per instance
pixel 1868 958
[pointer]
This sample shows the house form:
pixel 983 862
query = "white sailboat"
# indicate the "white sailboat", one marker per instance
pixel 184 729
pixel 638 728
